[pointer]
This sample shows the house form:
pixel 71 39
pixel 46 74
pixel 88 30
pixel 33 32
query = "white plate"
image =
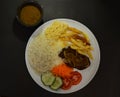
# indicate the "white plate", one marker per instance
pixel 87 74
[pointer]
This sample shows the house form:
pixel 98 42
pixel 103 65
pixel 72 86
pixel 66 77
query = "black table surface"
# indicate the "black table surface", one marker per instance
pixel 100 16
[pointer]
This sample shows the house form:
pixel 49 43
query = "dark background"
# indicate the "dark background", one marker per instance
pixel 100 16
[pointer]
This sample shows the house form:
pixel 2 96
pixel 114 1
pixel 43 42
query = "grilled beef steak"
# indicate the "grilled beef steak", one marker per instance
pixel 73 59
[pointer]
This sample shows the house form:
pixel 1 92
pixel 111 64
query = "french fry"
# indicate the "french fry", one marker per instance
pixel 75 30
pixel 78 32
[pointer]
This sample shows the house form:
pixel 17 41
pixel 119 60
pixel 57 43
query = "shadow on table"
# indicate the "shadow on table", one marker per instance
pixel 21 32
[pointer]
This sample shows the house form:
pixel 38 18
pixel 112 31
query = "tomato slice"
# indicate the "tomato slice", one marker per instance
pixel 66 84
pixel 76 77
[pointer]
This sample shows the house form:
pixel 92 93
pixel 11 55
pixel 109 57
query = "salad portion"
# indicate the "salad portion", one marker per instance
pixel 58 79
pixel 59 54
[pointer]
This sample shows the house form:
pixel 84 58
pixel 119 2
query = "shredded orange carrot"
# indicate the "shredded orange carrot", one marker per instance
pixel 62 70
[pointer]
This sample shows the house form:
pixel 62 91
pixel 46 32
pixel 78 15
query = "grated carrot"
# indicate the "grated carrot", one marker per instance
pixel 62 70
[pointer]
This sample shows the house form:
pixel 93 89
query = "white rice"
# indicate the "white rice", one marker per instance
pixel 42 56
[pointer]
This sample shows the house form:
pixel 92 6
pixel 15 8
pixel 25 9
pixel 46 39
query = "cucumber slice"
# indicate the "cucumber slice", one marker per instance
pixel 47 78
pixel 57 83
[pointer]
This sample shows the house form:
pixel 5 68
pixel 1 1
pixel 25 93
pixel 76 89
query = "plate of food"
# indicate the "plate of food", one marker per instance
pixel 62 56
